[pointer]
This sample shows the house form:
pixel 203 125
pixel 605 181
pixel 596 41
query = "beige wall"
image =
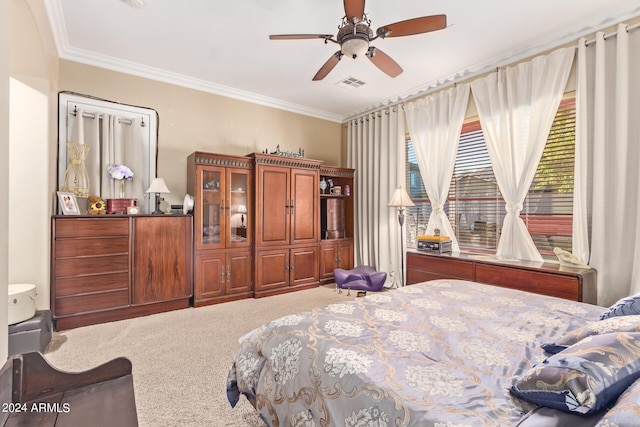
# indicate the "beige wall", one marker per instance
pixel 4 171
pixel 27 125
pixel 192 120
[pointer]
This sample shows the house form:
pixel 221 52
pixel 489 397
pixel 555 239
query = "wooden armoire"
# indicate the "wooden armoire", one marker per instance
pixel 281 243
pixel 287 223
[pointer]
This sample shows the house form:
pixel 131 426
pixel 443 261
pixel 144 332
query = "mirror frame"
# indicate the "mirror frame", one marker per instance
pixel 67 104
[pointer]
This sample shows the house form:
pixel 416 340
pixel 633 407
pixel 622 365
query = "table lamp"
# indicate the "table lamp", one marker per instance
pixel 242 209
pixel 158 186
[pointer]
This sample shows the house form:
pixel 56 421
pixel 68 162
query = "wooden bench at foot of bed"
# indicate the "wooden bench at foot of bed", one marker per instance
pixel 34 393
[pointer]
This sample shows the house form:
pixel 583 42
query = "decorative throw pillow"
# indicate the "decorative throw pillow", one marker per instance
pixel 585 377
pixel 626 412
pixel 613 324
pixel 624 307
pixel 548 417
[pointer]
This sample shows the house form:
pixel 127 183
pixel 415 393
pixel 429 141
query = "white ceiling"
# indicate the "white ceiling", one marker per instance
pixel 223 47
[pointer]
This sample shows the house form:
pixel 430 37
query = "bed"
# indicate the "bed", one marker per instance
pixel 444 353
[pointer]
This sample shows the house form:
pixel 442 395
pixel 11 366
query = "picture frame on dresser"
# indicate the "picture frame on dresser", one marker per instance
pixel 68 203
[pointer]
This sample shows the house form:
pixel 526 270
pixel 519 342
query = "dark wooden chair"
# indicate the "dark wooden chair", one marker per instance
pixel 34 393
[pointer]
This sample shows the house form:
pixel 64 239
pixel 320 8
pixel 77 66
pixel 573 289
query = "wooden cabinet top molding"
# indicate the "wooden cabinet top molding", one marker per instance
pixel 336 171
pixel 211 159
pixel 292 162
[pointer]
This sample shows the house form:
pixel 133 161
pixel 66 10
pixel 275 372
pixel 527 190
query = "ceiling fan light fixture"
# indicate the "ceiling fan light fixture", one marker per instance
pixel 136 4
pixel 355 47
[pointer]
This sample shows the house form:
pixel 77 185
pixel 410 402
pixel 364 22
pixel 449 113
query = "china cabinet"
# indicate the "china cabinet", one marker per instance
pixel 287 223
pixel 112 267
pixel 223 213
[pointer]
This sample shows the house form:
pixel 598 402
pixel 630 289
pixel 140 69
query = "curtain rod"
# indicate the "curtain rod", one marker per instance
pixel 98 116
pixel 612 34
pixel 460 79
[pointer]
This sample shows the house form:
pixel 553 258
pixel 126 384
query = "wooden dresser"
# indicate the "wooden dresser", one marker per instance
pixel 106 268
pixel 577 284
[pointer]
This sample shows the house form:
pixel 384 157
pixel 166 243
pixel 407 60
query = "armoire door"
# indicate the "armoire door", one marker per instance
pixel 239 270
pixel 328 259
pixel 273 206
pixel 303 266
pixel 210 275
pixel 345 254
pixel 272 270
pixel 238 208
pixel 305 200
pixel 210 208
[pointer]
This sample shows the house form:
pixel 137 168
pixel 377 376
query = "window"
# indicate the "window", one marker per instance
pixel 475 206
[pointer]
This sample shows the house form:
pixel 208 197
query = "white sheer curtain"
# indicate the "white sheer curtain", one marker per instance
pixel 111 153
pixel 608 145
pixel 121 144
pixel 516 107
pixel 434 124
pixel 134 156
pixel 376 152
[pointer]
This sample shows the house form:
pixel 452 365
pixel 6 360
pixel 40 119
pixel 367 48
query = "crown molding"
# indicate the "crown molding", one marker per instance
pixel 132 68
pixel 57 24
pixel 58 28
pixel 504 59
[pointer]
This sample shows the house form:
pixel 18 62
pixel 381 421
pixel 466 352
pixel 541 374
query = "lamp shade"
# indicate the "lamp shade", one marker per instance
pixel 158 186
pixel 400 199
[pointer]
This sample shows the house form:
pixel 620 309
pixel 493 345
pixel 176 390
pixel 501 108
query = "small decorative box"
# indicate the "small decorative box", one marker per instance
pixel 120 205
pixel 435 244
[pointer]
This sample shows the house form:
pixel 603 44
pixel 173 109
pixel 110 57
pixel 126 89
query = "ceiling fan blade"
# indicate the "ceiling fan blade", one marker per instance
pixel 384 62
pixel 413 26
pixel 328 66
pixel 354 9
pixel 299 36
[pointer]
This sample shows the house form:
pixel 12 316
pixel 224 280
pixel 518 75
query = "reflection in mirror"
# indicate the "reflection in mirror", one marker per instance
pixel 106 149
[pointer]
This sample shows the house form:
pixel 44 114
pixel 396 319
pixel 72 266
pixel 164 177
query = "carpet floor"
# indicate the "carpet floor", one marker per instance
pixel 181 358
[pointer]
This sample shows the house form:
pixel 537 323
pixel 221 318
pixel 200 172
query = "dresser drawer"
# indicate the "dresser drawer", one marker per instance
pixel 91 284
pixel 91 246
pixel 91 227
pixel 425 267
pixel 70 267
pixel 568 287
pixel 91 302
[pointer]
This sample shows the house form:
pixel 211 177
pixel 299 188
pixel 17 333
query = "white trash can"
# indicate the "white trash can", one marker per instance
pixel 22 302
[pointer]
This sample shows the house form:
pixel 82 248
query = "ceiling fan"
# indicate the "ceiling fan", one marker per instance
pixel 355 37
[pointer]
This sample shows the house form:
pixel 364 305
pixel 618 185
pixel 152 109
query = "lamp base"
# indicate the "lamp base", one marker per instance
pixel 158 211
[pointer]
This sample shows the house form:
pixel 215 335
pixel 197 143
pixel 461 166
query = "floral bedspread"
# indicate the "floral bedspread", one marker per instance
pixel 442 353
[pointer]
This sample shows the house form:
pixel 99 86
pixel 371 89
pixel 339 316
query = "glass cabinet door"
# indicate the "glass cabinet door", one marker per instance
pixel 211 208
pixel 239 206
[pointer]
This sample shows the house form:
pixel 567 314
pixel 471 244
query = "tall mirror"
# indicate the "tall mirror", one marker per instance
pixel 106 149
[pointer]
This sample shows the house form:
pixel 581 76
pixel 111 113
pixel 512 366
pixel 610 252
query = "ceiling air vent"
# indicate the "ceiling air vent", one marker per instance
pixel 350 83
